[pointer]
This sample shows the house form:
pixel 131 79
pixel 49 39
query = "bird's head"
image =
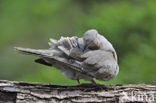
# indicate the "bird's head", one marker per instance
pixel 90 39
pixel 90 35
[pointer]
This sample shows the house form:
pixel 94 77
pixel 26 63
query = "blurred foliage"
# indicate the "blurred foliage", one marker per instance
pixel 128 25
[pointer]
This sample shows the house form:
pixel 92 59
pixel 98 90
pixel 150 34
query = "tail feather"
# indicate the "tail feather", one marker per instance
pixel 33 51
pixel 42 61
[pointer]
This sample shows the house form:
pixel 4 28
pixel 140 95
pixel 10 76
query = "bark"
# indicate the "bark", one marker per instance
pixel 20 92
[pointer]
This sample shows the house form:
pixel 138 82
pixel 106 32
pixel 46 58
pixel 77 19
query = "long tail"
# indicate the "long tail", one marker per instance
pixel 33 51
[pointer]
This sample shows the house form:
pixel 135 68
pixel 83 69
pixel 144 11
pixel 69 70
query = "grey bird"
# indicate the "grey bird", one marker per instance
pixel 89 57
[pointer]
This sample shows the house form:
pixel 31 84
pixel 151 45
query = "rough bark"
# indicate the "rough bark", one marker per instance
pixel 20 92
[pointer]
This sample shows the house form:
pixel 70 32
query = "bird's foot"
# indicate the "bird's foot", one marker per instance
pixel 78 81
pixel 93 82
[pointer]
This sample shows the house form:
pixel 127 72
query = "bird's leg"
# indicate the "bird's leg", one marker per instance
pixel 78 82
pixel 93 82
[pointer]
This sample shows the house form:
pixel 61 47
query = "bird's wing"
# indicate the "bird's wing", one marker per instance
pixel 63 49
pixel 47 57
pixel 49 61
pixel 75 66
pixel 70 46
pixel 92 57
pixel 65 44
pixel 94 60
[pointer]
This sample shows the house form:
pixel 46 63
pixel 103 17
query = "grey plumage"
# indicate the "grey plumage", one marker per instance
pixel 86 58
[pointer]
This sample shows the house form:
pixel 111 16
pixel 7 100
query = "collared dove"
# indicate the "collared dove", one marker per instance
pixel 89 57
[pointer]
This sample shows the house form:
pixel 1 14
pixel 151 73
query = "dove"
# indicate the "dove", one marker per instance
pixel 90 57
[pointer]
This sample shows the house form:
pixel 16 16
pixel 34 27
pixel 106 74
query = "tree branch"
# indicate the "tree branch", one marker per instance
pixel 20 92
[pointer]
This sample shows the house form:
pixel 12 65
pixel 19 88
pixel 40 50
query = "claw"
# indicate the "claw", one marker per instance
pixel 93 82
pixel 78 81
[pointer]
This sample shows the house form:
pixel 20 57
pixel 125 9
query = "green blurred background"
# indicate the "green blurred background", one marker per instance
pixel 130 25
